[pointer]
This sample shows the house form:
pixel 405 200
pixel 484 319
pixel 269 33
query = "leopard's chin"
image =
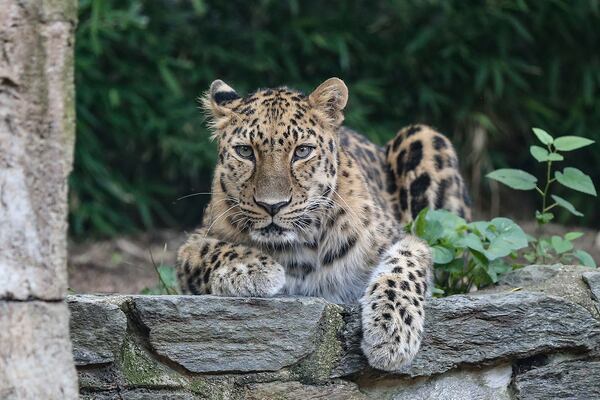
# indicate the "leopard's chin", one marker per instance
pixel 274 235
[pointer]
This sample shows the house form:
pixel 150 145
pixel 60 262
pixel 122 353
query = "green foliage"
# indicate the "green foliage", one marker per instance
pixel 467 255
pixel 515 178
pixel 166 279
pixel 481 71
pixel 545 249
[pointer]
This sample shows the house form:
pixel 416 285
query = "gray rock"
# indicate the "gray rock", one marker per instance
pixel 529 275
pixel 484 328
pixel 35 351
pixel 97 378
pixel 557 280
pixel 593 281
pixel 149 394
pixel 339 390
pixel 212 334
pixel 97 328
pixel 138 394
pixel 578 379
pixel 101 395
pixel 470 384
pixel 352 359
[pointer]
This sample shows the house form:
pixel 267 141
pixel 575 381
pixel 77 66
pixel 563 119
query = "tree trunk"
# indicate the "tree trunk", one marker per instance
pixel 36 151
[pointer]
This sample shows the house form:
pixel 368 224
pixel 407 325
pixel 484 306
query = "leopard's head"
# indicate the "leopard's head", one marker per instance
pixel 278 157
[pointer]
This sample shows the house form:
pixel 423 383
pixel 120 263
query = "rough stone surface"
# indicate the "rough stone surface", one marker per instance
pixel 36 145
pixel 573 379
pixel 530 275
pixel 485 346
pixel 97 327
pixel 592 279
pixel 565 281
pixel 139 394
pixel 35 352
pixel 485 384
pixel 476 329
pixel 339 390
pixel 209 334
pixel 98 377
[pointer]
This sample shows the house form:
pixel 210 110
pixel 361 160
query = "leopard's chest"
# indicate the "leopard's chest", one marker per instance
pixel 342 281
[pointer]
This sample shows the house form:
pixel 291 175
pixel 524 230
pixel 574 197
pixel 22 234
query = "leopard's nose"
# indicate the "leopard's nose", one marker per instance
pixel 272 208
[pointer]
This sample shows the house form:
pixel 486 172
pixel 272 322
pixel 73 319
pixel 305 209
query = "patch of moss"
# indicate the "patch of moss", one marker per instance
pixel 317 367
pixel 213 389
pixel 140 369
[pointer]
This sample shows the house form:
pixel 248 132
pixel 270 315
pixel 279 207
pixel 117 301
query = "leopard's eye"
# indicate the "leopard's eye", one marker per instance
pixel 302 152
pixel 245 152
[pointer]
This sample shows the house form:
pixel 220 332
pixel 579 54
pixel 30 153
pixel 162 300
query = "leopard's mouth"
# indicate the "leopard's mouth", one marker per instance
pixel 272 234
pixel 273 229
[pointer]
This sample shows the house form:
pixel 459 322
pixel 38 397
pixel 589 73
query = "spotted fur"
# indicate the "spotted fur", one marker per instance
pixel 322 222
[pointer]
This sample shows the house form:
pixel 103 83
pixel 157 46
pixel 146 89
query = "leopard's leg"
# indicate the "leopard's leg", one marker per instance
pixel 424 173
pixel 207 265
pixel 393 304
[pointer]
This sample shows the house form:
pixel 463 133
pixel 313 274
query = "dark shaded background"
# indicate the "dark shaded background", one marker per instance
pixel 484 72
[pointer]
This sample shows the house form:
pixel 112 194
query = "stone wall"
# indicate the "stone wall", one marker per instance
pixel 535 337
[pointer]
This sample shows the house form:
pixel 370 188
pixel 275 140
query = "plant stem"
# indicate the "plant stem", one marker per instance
pixel 546 188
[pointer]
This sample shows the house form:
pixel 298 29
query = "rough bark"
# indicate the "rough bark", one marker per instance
pixel 36 147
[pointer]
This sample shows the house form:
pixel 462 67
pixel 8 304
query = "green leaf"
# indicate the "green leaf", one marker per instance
pixel 505 237
pixel 544 218
pixel 555 157
pixel 566 205
pixel 478 227
pixel 585 258
pixel 539 153
pixel 442 255
pixel 450 224
pixel 419 224
pixel 514 178
pixel 471 241
pixel 568 143
pixel 543 136
pixel 577 180
pixel 437 291
pixel 544 246
pixel 168 275
pixel 495 268
pixel 560 245
pixel 573 235
pixel 428 227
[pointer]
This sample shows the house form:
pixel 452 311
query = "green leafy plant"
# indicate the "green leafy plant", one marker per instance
pixel 467 255
pixel 543 249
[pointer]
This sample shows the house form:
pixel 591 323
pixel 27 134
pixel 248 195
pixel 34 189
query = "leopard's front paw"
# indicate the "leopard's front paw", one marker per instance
pixel 392 322
pixel 387 345
pixel 248 278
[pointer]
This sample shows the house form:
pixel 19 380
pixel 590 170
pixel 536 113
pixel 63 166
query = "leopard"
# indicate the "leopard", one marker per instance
pixel 302 205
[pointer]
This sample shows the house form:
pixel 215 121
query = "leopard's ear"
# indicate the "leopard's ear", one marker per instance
pixel 330 97
pixel 219 98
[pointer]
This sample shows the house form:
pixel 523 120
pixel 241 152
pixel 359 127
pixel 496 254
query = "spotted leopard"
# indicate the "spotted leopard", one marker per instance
pixel 302 205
